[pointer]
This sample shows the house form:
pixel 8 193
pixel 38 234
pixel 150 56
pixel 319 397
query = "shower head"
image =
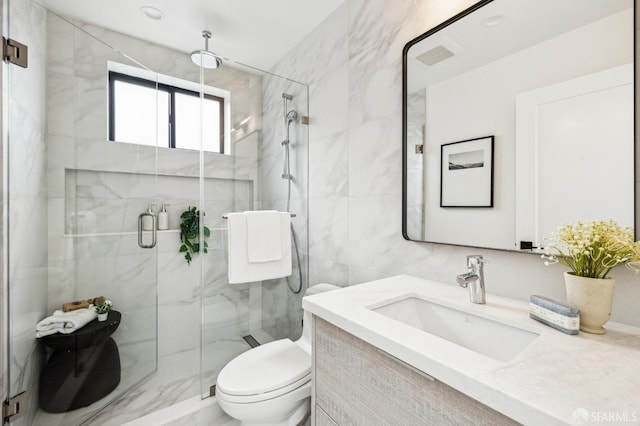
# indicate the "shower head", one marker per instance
pixel 292 116
pixel 205 58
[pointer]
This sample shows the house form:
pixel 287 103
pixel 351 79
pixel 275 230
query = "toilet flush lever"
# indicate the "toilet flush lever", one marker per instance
pixel 153 230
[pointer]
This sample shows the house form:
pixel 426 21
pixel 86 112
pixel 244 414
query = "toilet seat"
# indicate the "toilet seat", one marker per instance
pixel 265 372
pixel 265 396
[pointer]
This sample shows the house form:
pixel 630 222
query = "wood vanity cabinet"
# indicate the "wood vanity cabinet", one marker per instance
pixel 355 383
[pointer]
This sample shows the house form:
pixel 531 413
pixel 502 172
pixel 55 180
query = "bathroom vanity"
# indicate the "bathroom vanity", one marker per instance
pixel 405 350
pixel 357 383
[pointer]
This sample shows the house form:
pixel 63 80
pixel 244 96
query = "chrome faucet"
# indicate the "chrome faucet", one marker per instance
pixel 474 278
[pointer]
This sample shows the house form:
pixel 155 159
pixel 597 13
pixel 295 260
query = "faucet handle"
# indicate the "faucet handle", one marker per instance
pixel 475 259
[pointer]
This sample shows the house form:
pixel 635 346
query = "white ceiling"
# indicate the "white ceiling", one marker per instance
pixel 253 32
pixel 525 23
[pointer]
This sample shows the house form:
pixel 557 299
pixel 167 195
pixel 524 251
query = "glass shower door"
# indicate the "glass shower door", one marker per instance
pixel 72 207
pixel 249 176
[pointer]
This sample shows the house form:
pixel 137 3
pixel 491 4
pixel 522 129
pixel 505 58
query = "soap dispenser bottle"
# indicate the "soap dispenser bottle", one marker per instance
pixel 147 220
pixel 163 218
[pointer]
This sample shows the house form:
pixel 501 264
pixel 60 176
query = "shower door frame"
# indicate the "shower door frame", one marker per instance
pixel 9 389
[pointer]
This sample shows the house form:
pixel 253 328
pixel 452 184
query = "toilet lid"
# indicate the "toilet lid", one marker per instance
pixel 265 368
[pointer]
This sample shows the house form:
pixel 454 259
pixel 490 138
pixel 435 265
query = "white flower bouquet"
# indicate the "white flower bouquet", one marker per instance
pixel 593 249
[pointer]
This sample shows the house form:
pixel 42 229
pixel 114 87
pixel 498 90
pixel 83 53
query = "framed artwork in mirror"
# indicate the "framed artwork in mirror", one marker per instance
pixel 466 173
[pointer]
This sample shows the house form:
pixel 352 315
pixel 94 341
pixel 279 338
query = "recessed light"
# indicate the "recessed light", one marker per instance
pixel 152 13
pixel 493 21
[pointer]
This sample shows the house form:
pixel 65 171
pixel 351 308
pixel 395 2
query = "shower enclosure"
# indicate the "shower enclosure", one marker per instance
pixel 79 169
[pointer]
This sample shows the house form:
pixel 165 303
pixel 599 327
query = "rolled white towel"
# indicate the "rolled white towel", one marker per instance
pixel 65 322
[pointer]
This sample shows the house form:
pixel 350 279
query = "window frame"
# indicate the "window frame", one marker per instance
pixel 115 76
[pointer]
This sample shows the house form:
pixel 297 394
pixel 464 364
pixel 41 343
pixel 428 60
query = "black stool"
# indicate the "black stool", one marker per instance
pixel 84 366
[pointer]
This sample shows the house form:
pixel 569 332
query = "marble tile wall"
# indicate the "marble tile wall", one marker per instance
pixel 281 308
pixel 96 191
pixel 352 63
pixel 110 202
pixel 27 202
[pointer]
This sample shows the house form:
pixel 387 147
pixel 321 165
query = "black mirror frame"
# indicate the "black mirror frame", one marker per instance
pixel 405 51
pixel 456 18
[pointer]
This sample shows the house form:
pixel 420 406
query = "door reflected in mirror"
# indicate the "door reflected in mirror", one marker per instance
pixel 553 82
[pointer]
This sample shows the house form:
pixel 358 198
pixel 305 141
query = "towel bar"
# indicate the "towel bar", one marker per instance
pixel 224 216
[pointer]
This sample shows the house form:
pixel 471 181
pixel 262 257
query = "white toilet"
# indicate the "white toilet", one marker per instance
pixel 270 385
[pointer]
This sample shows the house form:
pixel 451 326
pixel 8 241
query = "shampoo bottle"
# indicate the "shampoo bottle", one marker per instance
pixel 147 220
pixel 163 219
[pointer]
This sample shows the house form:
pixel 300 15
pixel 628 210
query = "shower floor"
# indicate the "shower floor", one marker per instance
pixel 177 378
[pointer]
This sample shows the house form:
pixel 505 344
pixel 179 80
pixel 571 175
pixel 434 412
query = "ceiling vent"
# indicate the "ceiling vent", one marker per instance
pixel 434 56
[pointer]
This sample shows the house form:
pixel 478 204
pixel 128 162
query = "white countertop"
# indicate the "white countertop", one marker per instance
pixel 553 379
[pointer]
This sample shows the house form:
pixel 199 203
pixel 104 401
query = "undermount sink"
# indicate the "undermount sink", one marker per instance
pixel 483 335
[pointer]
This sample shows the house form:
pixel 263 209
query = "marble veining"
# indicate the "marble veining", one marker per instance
pixel 106 185
pixel 362 79
pixel 555 375
pixel 109 202
pixel 329 171
pixel 97 189
pixel 191 412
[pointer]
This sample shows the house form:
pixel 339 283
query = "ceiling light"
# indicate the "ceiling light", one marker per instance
pixel 152 13
pixel 493 21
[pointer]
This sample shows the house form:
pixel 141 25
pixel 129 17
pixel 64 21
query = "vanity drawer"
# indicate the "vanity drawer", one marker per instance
pixel 358 384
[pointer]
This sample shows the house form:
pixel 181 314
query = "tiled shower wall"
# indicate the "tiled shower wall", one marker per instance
pixel 353 64
pixel 96 191
pixel 282 309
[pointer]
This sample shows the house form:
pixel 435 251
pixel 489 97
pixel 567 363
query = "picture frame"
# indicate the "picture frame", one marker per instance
pixel 466 173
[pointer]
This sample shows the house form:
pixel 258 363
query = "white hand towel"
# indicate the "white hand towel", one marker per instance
pixel 264 240
pixel 240 269
pixel 65 322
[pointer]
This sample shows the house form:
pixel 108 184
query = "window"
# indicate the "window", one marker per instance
pixel 143 111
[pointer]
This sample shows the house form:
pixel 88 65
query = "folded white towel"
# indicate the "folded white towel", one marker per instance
pixel 65 322
pixel 264 240
pixel 243 271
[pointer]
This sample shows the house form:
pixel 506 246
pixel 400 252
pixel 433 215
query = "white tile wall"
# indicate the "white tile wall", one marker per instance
pixel 355 110
pixel 282 310
pixel 111 183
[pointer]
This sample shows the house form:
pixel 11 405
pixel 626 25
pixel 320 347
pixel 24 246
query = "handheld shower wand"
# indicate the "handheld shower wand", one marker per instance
pixel 289 117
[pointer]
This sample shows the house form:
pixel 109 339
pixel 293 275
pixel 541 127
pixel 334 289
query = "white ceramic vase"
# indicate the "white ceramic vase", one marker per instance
pixel 103 317
pixel 593 296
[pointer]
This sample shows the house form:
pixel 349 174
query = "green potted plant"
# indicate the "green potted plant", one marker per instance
pixel 102 307
pixel 591 250
pixel 190 234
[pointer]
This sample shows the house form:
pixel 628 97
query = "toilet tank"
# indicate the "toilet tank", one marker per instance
pixel 305 340
pixel 320 288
